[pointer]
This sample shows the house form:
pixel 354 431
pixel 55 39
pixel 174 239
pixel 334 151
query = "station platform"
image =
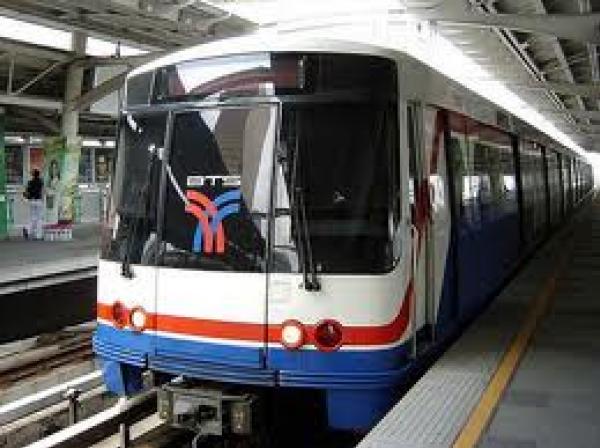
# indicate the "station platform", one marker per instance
pixel 525 373
pixel 47 285
pixel 26 264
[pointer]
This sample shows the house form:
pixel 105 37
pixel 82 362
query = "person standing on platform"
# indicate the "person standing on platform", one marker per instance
pixel 33 194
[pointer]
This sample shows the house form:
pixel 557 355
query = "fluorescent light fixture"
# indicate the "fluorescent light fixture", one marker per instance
pixel 14 139
pixel 32 33
pixel 91 143
pixel 36 140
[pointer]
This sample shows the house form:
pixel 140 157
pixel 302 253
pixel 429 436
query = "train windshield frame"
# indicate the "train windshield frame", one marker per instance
pixel 315 173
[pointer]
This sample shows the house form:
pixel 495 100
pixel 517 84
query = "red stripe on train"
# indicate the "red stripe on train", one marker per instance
pixel 352 335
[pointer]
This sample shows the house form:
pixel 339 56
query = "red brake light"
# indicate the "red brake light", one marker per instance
pixel 119 314
pixel 328 335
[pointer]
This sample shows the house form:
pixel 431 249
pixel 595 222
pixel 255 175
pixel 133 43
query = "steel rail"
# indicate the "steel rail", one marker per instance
pixel 41 359
pixel 103 424
pixel 41 400
pixel 24 284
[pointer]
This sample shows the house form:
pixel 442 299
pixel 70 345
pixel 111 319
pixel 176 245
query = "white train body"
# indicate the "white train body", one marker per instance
pixel 350 326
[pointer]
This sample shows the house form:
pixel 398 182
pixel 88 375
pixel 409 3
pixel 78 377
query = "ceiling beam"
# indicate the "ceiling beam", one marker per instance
pixel 587 129
pixel 51 125
pixel 31 101
pixel 592 49
pixel 154 23
pixel 579 27
pixel 129 61
pixel 585 134
pixel 589 114
pixel 561 58
pixel 33 51
pixel 36 78
pixel 508 38
pixel 588 90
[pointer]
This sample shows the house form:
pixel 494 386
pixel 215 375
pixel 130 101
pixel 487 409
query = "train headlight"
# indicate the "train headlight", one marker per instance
pixel 119 314
pixel 292 334
pixel 328 335
pixel 138 318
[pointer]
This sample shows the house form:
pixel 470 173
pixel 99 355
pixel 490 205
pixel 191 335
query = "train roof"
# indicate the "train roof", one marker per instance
pixel 266 42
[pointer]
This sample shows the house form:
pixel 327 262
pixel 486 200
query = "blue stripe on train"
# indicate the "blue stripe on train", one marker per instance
pixel 130 347
pixel 357 384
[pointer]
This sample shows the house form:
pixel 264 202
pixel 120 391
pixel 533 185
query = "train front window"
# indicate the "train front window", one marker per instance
pixel 277 161
pixel 218 188
pixel 337 201
pixel 129 235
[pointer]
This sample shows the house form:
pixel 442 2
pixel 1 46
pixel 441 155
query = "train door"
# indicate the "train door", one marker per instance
pixel 440 291
pixel 419 204
pixel 468 185
pixel 430 212
pixel 213 264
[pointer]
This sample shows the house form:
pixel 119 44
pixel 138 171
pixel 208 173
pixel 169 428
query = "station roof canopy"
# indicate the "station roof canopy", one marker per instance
pixel 545 51
pixel 36 48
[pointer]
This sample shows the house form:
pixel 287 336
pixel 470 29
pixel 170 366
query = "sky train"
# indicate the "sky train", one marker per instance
pixel 311 214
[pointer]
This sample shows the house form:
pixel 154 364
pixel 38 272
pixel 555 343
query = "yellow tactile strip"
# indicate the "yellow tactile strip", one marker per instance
pixel 481 415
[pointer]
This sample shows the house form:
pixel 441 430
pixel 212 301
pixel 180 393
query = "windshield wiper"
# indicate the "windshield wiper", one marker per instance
pixel 311 281
pixel 299 216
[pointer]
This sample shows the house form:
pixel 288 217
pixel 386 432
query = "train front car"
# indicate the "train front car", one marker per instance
pixel 256 233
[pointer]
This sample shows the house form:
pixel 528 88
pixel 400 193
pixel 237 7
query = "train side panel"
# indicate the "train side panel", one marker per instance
pixel 486 207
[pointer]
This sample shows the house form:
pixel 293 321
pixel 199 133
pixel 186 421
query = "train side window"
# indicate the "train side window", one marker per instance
pixel 413 154
pixel 457 172
pixel 494 167
pixel 482 170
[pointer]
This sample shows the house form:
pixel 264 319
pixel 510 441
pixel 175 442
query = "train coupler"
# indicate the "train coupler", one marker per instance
pixel 206 411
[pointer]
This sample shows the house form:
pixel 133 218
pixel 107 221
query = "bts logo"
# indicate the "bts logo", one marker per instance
pixel 209 233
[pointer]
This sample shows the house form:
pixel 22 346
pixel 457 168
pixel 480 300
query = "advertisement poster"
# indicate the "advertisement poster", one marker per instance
pixel 70 175
pixel 61 167
pixel 36 160
pixel 53 156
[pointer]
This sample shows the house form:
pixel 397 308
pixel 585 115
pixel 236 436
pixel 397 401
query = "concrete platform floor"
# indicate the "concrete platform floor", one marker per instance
pixel 23 259
pixel 47 285
pixel 553 399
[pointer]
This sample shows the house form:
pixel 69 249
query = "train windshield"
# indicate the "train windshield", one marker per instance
pixel 130 232
pixel 276 162
pixel 217 202
pixel 216 196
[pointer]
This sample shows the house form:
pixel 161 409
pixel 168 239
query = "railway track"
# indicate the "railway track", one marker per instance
pixel 48 418
pixel 44 353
